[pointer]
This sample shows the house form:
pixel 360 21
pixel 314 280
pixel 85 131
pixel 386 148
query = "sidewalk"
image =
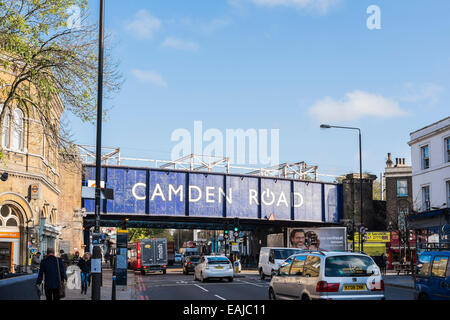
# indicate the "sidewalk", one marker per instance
pixel 405 281
pixel 122 292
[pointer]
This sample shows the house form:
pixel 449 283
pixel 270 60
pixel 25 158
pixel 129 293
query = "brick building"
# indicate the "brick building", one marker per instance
pixel 41 199
pixel 398 185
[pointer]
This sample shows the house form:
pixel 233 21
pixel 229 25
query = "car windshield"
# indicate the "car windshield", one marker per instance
pixel 349 266
pixel 194 259
pixel 218 260
pixel 283 254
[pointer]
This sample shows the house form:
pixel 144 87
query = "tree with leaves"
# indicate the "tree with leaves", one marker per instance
pixel 137 234
pixel 50 62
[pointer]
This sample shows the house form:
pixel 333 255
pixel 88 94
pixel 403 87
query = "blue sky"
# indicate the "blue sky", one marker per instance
pixel 278 64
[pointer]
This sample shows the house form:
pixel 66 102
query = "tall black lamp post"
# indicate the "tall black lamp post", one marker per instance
pixel 96 251
pixel 326 126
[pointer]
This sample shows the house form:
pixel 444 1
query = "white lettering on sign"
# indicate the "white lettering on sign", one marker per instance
pixel 213 194
pixel 157 192
pixel 175 192
pixel 199 191
pixel 133 191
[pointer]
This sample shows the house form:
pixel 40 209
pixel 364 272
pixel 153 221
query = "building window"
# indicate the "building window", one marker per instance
pixel 447 149
pixel 402 188
pixel 425 157
pixel 5 129
pixel 448 194
pixel 401 219
pixel 13 130
pixel 426 198
pixel 17 133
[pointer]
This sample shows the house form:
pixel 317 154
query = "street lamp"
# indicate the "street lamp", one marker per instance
pixel 327 126
pixel 96 251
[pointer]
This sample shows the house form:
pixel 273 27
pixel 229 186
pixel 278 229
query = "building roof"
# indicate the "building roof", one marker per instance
pixel 431 129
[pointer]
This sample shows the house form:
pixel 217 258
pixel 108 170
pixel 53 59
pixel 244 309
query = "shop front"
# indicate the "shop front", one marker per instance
pixel 374 245
pixel 401 251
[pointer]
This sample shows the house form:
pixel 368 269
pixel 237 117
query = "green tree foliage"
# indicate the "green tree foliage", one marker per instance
pixel 50 49
pixel 136 234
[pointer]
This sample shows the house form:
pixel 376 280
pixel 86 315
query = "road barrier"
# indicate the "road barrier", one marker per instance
pixel 19 288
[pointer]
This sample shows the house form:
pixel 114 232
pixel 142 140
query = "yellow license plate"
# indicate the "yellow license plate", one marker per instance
pixel 354 287
pixel 218 267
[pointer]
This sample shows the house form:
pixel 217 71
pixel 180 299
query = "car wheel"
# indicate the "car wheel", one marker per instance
pixel 423 296
pixel 164 271
pixel 230 279
pixel 261 274
pixel 272 295
pixel 305 297
pixel 202 278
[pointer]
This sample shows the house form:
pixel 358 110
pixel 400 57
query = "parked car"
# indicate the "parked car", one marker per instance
pixel 327 275
pixel 190 263
pixel 178 257
pixel 214 267
pixel 271 258
pixel 433 276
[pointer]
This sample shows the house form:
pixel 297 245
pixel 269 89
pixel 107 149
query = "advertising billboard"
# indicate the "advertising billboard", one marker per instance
pixel 327 239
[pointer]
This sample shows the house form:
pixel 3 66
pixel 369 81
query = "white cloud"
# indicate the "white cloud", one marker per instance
pixel 144 25
pixel 321 6
pixel 426 93
pixel 179 44
pixel 356 105
pixel 150 76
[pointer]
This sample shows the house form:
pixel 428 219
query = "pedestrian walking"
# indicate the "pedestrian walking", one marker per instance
pixel 54 272
pixel 64 257
pixel 85 267
pixel 35 262
pixel 76 258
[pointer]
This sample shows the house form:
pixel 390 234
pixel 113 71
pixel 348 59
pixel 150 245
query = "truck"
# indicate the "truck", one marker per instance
pixel 153 255
pixel 171 253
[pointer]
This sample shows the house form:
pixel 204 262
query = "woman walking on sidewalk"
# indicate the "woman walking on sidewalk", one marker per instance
pixel 85 266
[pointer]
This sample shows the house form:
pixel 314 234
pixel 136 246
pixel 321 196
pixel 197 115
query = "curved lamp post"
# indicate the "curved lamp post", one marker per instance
pixel 327 126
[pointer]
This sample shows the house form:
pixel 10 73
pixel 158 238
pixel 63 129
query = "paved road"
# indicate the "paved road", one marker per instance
pixel 176 286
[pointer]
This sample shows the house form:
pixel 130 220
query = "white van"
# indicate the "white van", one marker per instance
pixel 271 258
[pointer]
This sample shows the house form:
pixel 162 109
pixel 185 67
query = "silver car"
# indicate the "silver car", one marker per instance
pixel 214 267
pixel 327 275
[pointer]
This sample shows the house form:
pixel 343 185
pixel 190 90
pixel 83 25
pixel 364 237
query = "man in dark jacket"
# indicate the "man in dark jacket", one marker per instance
pixel 49 270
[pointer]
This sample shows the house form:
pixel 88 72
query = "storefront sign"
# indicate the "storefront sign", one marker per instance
pixel 14 235
pixel 375 237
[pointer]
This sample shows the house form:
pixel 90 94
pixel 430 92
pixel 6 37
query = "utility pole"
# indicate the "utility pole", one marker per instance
pixel 96 251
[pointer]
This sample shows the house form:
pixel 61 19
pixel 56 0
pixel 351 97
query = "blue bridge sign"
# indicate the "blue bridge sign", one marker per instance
pixel 162 192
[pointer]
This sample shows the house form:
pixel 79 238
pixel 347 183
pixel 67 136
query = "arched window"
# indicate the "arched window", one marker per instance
pixel 17 133
pixel 12 222
pixel 5 129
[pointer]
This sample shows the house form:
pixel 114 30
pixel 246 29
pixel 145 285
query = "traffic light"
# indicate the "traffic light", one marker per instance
pixel 236 225
pixel 350 234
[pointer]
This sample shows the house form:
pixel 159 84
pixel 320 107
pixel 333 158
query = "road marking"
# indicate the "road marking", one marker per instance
pixel 253 284
pixel 219 297
pixel 201 287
